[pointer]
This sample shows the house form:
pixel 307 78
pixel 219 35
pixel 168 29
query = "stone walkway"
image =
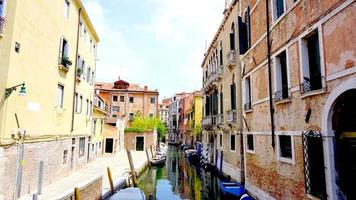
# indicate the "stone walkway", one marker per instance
pixel 119 168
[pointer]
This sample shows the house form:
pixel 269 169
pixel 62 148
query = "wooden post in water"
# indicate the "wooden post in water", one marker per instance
pixel 110 180
pixel 152 152
pixel 77 194
pixel 148 158
pixel 132 167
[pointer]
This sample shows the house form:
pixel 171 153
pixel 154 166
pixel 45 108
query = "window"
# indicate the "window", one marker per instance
pixel 64 51
pixel 151 115
pixel 60 93
pixel 80 104
pixel 285 145
pixel 88 111
pixel 122 99
pixel 277 8
pixel 81 146
pixel 221 103
pixel 94 127
pixel 232 37
pixel 250 143
pixel 311 69
pixel 220 140
pixel 244 32
pixel 17 47
pixel 115 109
pixel 232 142
pixel 114 116
pixel 153 100
pixel 65 157
pixel 114 98
pixel 281 75
pixel 66 8
pixel 233 95
pixel 91 108
pixel 89 75
pixel 247 105
pixel 2 11
pixel 131 116
pixel 131 100
pixel 221 60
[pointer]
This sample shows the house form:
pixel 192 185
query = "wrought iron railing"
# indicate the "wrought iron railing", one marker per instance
pixel 281 94
pixel 210 120
pixel 220 119
pixel 313 83
pixel 2 24
pixel 247 106
pixel 231 116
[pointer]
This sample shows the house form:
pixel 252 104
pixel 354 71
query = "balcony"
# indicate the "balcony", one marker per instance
pixel 281 95
pixel 2 25
pixel 64 63
pixel 231 59
pixel 209 121
pixel 213 78
pixel 231 116
pixel 220 119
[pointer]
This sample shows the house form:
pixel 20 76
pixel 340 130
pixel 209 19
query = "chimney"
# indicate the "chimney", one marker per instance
pixel 227 5
pixel 145 87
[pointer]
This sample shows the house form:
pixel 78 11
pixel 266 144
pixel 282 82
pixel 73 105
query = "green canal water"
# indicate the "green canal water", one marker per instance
pixel 177 179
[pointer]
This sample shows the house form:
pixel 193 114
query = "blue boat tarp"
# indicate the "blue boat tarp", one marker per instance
pixel 232 188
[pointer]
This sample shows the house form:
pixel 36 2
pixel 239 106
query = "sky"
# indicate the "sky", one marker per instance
pixel 158 43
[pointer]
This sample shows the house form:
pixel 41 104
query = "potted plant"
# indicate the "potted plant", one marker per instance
pixel 66 61
pixel 79 71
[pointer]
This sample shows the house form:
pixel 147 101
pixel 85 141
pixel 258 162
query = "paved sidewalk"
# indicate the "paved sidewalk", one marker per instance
pixel 119 168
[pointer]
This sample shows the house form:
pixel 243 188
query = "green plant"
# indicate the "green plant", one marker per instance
pixel 161 130
pixel 134 129
pixel 79 71
pixel 66 61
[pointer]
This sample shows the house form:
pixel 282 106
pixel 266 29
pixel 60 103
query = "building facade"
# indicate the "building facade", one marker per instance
pixel 163 112
pixel 127 100
pixel 222 122
pixel 55 115
pixel 175 117
pixel 295 81
pixel 192 118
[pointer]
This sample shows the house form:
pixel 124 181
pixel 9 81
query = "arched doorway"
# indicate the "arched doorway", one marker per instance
pixel 343 121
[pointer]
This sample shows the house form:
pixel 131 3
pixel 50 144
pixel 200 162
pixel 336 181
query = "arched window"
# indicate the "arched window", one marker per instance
pixel 221 53
pixel 232 36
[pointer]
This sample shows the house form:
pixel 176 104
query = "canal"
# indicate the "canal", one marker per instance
pixel 177 179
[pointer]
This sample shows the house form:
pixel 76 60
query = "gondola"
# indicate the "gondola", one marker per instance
pixel 158 160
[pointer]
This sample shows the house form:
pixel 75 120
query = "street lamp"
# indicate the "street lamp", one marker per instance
pixel 22 91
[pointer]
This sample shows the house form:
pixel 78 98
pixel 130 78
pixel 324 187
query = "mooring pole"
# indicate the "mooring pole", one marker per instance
pixel 148 158
pixel 216 158
pixel 110 180
pixel 40 178
pixel 152 152
pixel 132 167
pixel 76 193
pixel 221 162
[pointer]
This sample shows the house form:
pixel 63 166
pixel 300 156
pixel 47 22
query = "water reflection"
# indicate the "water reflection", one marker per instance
pixel 178 180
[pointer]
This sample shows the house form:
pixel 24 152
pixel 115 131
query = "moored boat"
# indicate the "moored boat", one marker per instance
pixel 158 161
pixel 233 189
pixel 129 194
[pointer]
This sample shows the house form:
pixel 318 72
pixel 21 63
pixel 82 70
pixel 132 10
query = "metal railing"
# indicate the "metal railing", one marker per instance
pixel 214 76
pixel 2 24
pixel 231 116
pixel 247 106
pixel 281 94
pixel 210 120
pixel 312 83
pixel 220 119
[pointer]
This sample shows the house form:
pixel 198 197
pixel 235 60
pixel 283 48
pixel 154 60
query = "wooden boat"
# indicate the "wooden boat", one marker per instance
pixel 129 194
pixel 158 161
pixel 173 143
pixel 189 152
pixel 233 189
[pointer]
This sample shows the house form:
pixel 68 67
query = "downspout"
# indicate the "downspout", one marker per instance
pixel 75 69
pixel 271 109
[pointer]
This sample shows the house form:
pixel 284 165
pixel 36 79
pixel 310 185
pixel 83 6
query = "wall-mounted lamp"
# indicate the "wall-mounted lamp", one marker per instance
pixel 22 91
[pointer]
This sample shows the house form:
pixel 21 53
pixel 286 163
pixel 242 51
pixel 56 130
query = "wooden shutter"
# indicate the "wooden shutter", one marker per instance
pixel 242 36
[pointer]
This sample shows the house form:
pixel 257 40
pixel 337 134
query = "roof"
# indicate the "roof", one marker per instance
pixel 87 20
pixel 132 88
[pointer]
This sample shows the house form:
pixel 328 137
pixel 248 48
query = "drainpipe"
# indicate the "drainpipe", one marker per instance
pixel 75 68
pixel 271 109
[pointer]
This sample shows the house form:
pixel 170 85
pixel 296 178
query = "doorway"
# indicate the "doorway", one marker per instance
pixel 140 143
pixel 344 127
pixel 109 145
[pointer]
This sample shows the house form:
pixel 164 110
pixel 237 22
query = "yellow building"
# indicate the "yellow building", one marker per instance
pixel 193 117
pixel 42 44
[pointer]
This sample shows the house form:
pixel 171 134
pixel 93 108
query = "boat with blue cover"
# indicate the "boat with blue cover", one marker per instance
pixel 232 188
